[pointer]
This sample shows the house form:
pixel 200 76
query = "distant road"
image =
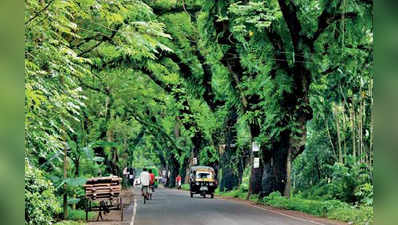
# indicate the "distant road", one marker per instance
pixel 173 207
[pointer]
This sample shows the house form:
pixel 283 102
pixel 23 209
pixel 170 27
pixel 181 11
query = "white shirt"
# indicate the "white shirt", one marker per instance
pixel 144 177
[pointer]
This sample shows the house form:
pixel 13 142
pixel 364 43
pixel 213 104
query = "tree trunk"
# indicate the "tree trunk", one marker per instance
pixel 255 183
pixel 275 162
pixel 352 117
pixel 174 168
pixel 65 203
pixel 336 117
pixel 229 177
pixel 288 184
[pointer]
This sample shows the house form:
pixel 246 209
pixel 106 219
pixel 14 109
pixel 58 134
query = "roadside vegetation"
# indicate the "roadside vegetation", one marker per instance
pixel 165 83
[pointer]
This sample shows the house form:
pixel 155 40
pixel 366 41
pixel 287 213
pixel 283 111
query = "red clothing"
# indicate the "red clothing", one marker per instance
pixel 152 180
pixel 178 178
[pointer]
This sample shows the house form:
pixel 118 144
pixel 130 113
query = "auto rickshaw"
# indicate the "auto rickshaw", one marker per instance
pixel 202 180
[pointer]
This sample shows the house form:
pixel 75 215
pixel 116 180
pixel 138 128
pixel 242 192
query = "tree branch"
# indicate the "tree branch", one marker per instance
pixel 88 86
pixel 289 14
pixel 191 10
pixel 104 38
pixel 156 80
pixel 325 19
pixel 330 70
pixel 39 12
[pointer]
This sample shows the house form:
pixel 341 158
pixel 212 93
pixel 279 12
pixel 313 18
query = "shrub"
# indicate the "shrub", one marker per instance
pixel 40 202
pixel 364 193
pixel 332 209
pixel 185 187
pixel 66 222
pixel 77 215
pixel 349 183
pixel 237 193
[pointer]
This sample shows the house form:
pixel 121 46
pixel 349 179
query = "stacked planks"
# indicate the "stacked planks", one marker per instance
pixel 103 187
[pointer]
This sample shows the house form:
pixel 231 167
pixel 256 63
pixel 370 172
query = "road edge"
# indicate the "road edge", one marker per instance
pixel 284 212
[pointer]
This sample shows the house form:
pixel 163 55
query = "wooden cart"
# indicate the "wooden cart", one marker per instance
pixel 103 195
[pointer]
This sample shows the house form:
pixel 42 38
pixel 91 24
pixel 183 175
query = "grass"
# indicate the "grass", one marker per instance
pixel 68 222
pixel 332 209
pixel 79 215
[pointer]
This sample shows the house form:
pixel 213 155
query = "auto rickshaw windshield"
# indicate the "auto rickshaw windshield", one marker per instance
pixel 201 175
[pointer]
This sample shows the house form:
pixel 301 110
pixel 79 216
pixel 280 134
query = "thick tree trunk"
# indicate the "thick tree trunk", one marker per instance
pixel 229 177
pixel 288 183
pixel 174 168
pixel 275 162
pixel 255 184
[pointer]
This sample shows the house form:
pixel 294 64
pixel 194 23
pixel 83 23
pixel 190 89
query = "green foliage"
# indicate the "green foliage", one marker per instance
pixel 80 215
pixel 332 209
pixel 185 187
pixel 144 83
pixel 40 202
pixel 237 193
pixel 365 193
pixel 348 183
pixel 67 222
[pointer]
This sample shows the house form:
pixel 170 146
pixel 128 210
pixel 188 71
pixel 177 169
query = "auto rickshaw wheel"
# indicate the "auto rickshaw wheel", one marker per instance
pixel 191 194
pixel 212 195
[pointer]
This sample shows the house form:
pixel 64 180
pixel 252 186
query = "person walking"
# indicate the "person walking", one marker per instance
pixel 152 180
pixel 178 182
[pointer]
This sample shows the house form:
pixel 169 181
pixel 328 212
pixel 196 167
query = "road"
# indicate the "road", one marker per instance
pixel 173 207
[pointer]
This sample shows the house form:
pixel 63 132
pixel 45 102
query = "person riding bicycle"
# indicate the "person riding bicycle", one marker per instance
pixel 152 180
pixel 145 180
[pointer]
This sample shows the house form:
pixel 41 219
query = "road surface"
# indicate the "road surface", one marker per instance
pixel 173 207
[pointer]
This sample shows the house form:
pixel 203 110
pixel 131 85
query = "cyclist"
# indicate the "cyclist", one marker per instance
pixel 145 179
pixel 152 180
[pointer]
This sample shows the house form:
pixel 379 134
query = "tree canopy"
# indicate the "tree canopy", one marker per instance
pixel 134 83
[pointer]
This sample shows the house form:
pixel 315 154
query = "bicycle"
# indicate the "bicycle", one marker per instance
pixel 150 190
pixel 146 193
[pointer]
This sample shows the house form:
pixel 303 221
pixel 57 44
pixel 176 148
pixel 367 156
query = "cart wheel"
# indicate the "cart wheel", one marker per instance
pixel 121 208
pixel 191 195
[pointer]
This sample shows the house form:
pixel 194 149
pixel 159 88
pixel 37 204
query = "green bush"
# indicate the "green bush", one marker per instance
pixel 78 215
pixel 41 205
pixel 332 209
pixel 364 192
pixel 237 193
pixel 185 187
pixel 66 222
pixel 349 183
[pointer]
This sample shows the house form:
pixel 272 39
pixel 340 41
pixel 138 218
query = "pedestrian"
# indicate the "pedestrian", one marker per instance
pixel 152 180
pixel 178 181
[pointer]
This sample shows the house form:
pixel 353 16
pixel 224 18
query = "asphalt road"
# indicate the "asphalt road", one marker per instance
pixel 173 207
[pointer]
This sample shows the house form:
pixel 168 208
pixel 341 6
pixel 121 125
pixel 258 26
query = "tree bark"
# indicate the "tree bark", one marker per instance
pixel 255 183
pixel 65 203
pixel 229 177
pixel 288 183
